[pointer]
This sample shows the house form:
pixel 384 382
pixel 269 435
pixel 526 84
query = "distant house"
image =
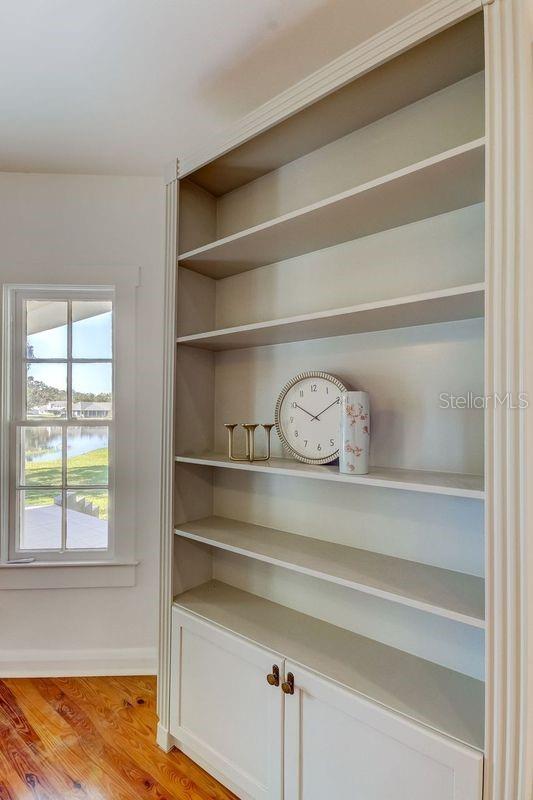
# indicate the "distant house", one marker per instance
pixel 83 410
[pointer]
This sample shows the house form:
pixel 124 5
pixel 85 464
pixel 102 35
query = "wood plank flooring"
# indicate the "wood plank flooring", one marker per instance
pixel 90 739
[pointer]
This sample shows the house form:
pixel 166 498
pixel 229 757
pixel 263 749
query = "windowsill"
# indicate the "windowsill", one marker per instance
pixel 61 575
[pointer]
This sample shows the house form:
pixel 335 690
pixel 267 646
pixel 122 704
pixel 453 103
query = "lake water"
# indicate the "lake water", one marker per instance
pixel 44 445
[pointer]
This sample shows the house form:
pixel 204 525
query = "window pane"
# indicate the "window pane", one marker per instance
pixel 40 519
pixel 91 391
pixel 91 329
pixel 46 329
pixel 87 456
pixel 40 456
pixel 87 515
pixel 46 391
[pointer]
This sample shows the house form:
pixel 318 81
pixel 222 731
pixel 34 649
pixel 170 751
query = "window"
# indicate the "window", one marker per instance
pixel 61 425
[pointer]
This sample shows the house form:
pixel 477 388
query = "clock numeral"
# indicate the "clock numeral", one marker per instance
pixel 296 433
pixel 305 442
pixel 301 392
pixel 293 405
pixel 327 389
pixel 314 387
pixel 319 447
pixel 331 441
pixel 292 419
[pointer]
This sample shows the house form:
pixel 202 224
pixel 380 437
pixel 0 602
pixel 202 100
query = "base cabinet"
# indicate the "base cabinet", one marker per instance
pixel 340 745
pixel 320 741
pixel 223 710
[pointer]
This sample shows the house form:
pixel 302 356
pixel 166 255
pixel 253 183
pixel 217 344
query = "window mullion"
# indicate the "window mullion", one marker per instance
pixel 64 488
pixel 64 433
pixel 69 360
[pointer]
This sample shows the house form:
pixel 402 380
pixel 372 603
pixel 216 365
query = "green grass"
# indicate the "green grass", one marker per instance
pixel 86 469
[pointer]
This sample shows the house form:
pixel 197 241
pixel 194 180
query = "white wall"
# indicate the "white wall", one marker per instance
pixel 79 224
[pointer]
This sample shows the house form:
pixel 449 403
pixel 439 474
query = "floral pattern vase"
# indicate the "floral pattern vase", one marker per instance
pixel 355 433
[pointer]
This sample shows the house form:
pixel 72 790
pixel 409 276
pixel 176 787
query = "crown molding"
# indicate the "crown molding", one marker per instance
pixel 171 171
pixel 412 29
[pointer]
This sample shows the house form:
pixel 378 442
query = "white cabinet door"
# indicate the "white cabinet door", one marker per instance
pixel 222 708
pixel 339 745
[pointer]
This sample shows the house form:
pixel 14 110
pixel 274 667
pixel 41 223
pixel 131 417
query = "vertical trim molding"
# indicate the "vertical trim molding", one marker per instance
pixel 167 461
pixel 506 47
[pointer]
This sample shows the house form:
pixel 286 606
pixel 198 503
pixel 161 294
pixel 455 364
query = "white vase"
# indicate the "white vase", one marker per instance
pixel 355 433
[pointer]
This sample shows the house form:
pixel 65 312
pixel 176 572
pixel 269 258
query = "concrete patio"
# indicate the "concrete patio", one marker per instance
pixel 42 529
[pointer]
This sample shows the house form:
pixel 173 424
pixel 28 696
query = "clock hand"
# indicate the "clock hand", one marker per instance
pixel 305 410
pixel 326 408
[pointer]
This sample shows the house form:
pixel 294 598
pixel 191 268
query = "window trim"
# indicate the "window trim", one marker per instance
pixel 121 538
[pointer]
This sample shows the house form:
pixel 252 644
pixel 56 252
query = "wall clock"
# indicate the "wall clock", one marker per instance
pixel 308 417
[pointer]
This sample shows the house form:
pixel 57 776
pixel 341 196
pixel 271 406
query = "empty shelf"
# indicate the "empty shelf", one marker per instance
pixel 446 305
pixel 439 184
pixel 448 594
pixel 444 700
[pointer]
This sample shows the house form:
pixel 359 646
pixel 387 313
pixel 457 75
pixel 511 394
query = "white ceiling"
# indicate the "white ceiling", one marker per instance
pixel 125 86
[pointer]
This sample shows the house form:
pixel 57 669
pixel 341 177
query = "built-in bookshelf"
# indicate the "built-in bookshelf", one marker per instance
pixel 442 699
pixel 348 238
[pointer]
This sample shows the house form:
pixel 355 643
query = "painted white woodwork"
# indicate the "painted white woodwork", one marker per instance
pixel 455 54
pixel 441 252
pixel 197 223
pixel 167 460
pixel 433 529
pixel 408 480
pixel 446 305
pixel 193 565
pixel 434 696
pixel 351 273
pixel 196 302
pixel 374 206
pixel 194 417
pixel 367 751
pixel 459 50
pixel 25 662
pixel 509 743
pixel 222 707
pixel 432 126
pixel 441 641
pixel 449 594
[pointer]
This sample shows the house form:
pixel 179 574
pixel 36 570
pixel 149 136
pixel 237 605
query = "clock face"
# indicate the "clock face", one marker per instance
pixel 308 417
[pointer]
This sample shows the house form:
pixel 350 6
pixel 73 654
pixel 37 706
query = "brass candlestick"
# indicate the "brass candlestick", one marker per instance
pixel 250 428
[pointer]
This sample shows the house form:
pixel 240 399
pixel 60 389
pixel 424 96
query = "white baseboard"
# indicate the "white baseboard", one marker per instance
pixel 77 663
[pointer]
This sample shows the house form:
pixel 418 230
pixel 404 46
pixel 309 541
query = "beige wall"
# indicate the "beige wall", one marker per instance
pixel 77 225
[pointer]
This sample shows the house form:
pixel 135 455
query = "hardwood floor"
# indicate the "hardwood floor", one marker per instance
pixel 90 739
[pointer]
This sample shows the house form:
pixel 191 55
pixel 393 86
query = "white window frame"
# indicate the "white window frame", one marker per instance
pixel 120 555
pixel 18 421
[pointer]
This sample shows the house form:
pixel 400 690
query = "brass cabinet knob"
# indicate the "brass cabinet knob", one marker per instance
pixel 288 686
pixel 273 677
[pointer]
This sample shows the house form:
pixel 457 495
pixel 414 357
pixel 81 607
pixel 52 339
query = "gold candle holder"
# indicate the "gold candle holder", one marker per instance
pixel 250 428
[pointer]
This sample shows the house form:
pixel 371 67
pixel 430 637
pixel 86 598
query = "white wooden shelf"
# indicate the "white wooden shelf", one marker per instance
pixel 446 305
pixel 454 54
pixel 442 183
pixel 435 696
pixel 448 594
pixel 447 483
